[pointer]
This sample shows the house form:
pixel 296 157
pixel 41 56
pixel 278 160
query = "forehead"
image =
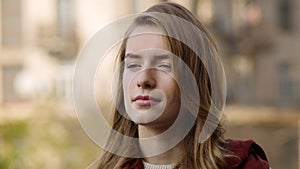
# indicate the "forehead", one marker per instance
pixel 145 37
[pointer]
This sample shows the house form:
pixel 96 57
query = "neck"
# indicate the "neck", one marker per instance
pixel 172 155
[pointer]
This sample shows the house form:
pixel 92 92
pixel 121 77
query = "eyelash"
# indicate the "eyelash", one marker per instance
pixel 167 66
pixel 162 66
pixel 132 66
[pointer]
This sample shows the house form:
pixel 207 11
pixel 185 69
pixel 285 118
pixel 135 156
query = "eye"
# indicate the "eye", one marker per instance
pixel 133 66
pixel 165 66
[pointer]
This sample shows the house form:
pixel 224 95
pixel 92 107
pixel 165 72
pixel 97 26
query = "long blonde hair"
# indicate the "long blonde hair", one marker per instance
pixel 208 155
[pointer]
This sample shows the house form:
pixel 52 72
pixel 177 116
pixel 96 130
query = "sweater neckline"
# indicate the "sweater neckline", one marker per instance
pixel 158 166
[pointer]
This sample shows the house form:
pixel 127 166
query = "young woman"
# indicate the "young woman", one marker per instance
pixel 171 97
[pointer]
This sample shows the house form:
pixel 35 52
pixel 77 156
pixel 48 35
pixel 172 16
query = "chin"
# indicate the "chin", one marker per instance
pixel 141 118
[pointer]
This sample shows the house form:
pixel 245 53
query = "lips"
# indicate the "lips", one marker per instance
pixel 145 100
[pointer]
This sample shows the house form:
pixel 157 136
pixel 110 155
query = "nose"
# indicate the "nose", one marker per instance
pixel 146 79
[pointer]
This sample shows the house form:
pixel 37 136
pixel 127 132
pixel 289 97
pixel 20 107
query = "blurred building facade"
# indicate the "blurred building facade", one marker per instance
pixel 38 45
pixel 257 39
pixel 260 46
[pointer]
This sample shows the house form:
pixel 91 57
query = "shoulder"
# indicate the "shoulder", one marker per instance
pixel 243 155
pixel 246 155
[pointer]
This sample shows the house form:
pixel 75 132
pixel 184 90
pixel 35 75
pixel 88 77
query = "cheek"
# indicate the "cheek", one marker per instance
pixel 127 83
pixel 174 96
pixel 175 89
pixel 171 90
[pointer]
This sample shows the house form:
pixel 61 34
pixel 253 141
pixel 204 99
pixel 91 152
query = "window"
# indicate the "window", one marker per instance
pixel 286 85
pixel 285 14
pixel 11 22
pixel 65 18
pixel 9 75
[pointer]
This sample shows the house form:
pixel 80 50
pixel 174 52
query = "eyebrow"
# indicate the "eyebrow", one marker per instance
pixel 157 57
pixel 130 55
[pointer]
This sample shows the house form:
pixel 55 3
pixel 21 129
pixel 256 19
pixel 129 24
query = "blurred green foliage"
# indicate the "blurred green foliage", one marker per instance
pixel 48 138
pixel 12 136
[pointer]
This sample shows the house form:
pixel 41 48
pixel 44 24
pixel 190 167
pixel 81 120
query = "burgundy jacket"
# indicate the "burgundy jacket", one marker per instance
pixel 248 154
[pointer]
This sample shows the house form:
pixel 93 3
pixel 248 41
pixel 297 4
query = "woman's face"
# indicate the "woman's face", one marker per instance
pixel 151 94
